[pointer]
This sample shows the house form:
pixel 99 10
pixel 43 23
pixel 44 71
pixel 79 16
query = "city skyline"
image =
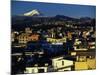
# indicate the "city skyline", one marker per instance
pixel 53 9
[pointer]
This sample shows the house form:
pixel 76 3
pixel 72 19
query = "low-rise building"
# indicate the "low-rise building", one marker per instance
pixel 33 37
pixel 36 69
pixel 23 38
pixel 61 64
pixel 89 63
pixel 78 46
pixel 28 30
pixel 92 45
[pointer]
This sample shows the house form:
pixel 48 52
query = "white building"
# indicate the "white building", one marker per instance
pixel 13 35
pixel 78 46
pixel 28 30
pixel 92 45
pixel 37 69
pixel 61 64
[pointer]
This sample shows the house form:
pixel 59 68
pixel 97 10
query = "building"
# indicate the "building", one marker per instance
pixel 61 64
pixel 36 69
pixel 85 63
pixel 23 38
pixel 33 37
pixel 13 35
pixel 92 45
pixel 78 46
pixel 69 35
pixel 57 41
pixel 28 30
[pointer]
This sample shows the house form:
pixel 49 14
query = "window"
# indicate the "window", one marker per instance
pixel 62 62
pixel 41 70
pixel 32 70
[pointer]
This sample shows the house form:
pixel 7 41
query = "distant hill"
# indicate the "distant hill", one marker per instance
pixel 22 21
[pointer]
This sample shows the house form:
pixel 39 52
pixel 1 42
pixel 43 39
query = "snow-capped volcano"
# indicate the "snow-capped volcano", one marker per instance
pixel 32 13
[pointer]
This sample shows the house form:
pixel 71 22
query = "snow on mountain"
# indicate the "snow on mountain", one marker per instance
pixel 32 13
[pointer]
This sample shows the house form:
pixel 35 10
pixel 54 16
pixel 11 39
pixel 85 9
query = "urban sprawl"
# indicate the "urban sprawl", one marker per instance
pixel 52 44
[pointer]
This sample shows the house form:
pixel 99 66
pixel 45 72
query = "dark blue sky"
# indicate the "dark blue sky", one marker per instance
pixel 52 9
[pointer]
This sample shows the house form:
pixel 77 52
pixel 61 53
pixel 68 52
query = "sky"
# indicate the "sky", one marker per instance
pixel 53 9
